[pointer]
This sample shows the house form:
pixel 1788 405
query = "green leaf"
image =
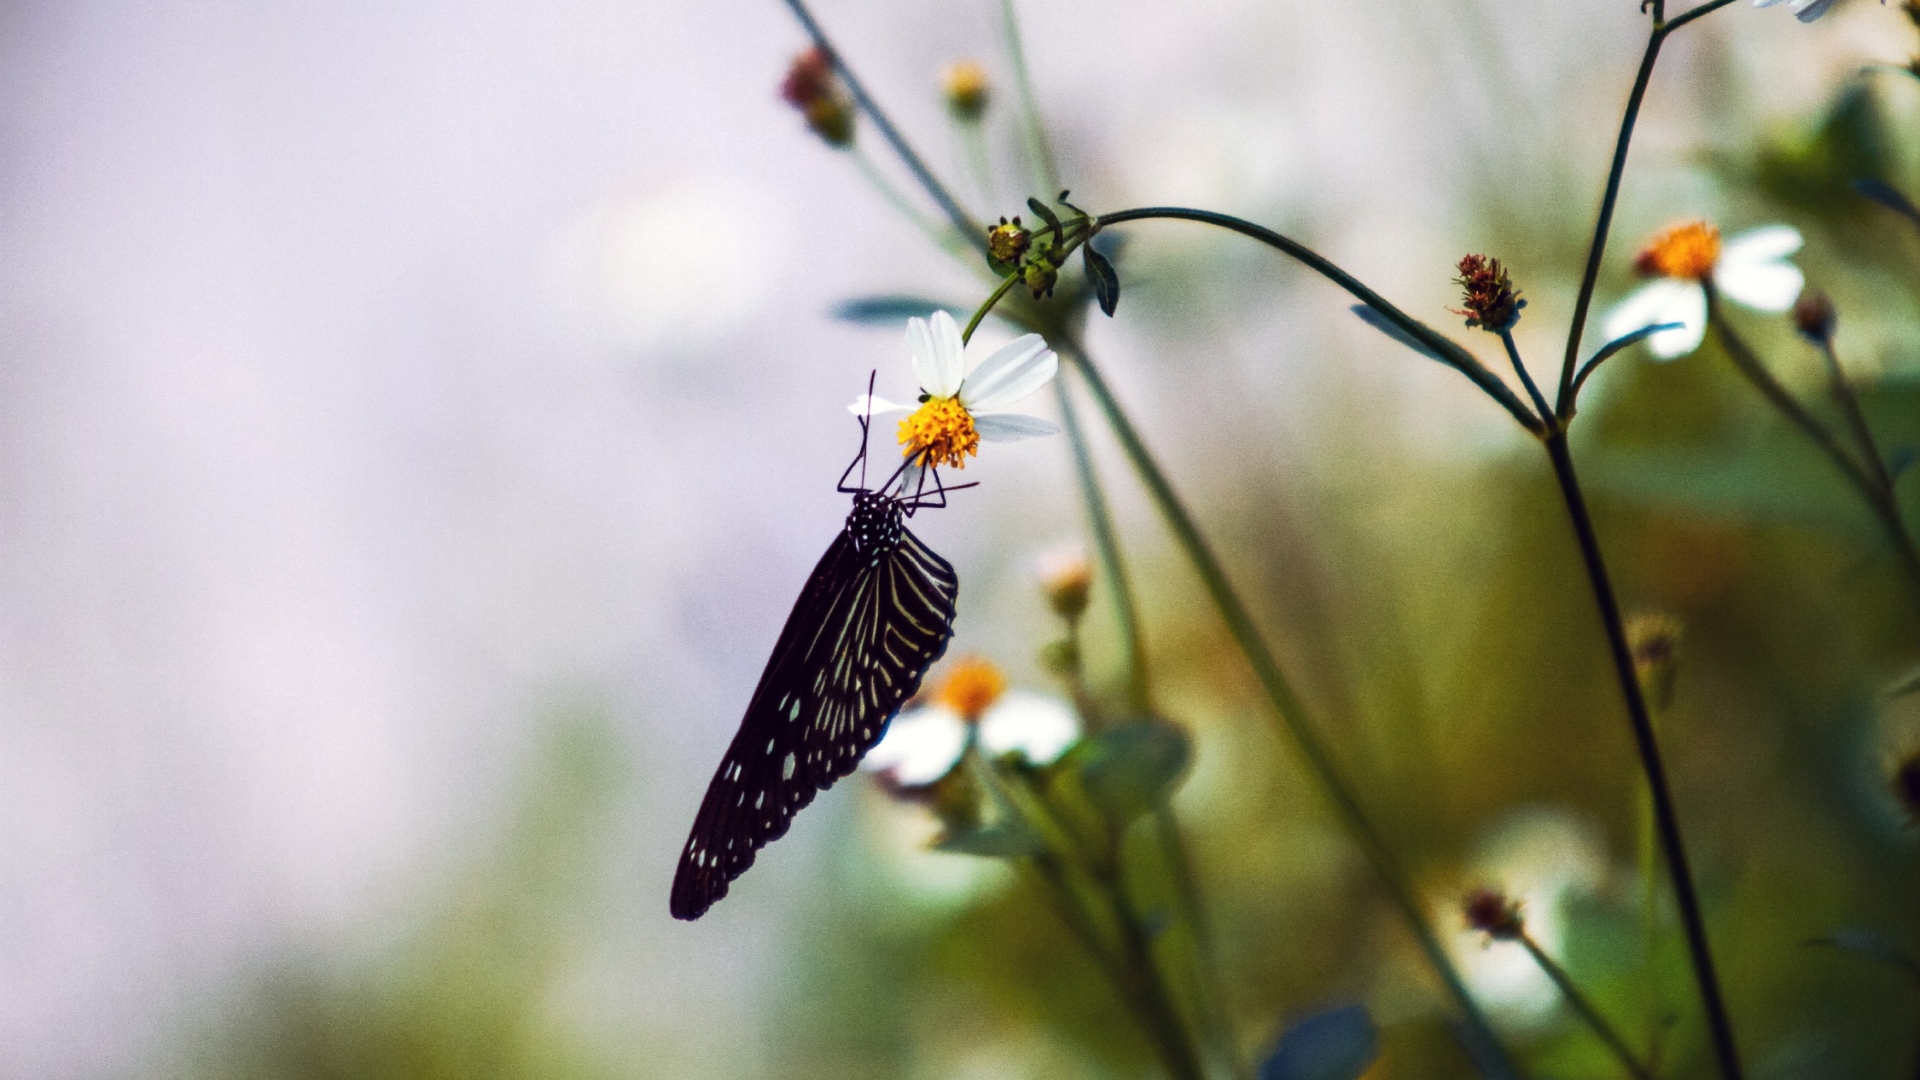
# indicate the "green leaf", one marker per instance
pixel 1132 769
pixel 1337 1044
pixel 1870 943
pixel 1045 213
pixel 1002 840
pixel 886 310
pixel 1106 283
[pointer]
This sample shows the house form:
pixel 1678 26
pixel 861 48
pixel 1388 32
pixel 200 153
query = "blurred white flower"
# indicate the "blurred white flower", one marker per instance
pixel 1751 268
pixel 923 744
pixel 959 409
pixel 1804 10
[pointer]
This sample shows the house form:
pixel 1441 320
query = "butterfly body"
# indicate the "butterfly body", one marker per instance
pixel 876 612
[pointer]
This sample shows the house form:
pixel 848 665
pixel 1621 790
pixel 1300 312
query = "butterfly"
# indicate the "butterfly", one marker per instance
pixel 874 616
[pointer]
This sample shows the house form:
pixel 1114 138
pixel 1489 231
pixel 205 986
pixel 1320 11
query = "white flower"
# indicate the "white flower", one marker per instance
pixel 1804 10
pixel 960 409
pixel 923 745
pixel 1751 268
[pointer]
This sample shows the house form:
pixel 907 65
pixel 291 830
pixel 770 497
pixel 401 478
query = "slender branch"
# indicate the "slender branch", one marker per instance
pixel 1880 497
pixel 993 298
pixel 1520 369
pixel 1585 1007
pixel 1704 9
pixel 1850 408
pixel 1289 709
pixel 962 221
pixel 895 199
pixel 1449 352
pixel 1686 896
pixel 1603 223
pixel 1106 541
pixel 1046 170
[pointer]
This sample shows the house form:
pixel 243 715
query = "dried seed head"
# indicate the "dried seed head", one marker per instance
pixel 1492 913
pixel 1814 315
pixel 1492 303
pixel 1040 275
pixel 967 91
pixel 811 87
pixel 1066 577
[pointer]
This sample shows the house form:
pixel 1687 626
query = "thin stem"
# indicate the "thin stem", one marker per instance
pixel 1045 169
pixel 1880 498
pixel 1520 369
pixel 1850 408
pixel 1685 895
pixel 962 221
pixel 1585 1008
pixel 1106 542
pixel 1603 222
pixel 1449 352
pixel 993 298
pixel 1288 707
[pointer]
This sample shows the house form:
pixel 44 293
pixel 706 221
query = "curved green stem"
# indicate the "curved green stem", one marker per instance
pixel 993 299
pixel 1449 352
pixel 1585 1007
pixel 1686 896
pixel 1520 369
pixel 962 221
pixel 1289 709
pixel 1106 542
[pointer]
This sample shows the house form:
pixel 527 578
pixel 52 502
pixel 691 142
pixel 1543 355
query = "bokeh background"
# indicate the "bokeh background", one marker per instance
pixel 416 420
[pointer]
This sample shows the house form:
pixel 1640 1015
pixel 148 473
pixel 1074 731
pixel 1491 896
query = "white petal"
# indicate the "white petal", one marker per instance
pixel 1656 302
pixel 1035 726
pixel 926 369
pixel 1765 3
pixel 1019 368
pixel 920 746
pixel 1768 243
pixel 1690 311
pixel 949 359
pixel 910 479
pixel 880 405
pixel 1766 286
pixel 1011 427
pixel 1809 10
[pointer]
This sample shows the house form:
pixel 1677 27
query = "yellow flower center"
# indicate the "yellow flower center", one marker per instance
pixel 940 432
pixel 1685 251
pixel 971 687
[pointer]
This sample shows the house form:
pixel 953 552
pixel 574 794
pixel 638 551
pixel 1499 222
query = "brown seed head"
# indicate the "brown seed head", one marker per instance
pixel 1814 315
pixel 1492 303
pixel 1489 911
pixel 811 87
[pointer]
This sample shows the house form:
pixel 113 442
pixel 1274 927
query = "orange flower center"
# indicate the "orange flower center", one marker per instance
pixel 971 687
pixel 1685 251
pixel 940 432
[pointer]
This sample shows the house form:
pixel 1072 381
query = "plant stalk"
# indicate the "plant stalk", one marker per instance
pixel 1686 895
pixel 1585 1007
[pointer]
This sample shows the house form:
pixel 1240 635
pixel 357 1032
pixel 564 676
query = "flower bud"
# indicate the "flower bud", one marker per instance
pixel 1490 912
pixel 1007 241
pixel 1654 640
pixel 965 84
pixel 1040 275
pixel 1814 316
pixel 1492 303
pixel 1066 577
pixel 811 87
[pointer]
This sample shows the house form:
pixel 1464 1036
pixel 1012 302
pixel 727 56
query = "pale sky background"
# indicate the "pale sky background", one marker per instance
pixel 376 378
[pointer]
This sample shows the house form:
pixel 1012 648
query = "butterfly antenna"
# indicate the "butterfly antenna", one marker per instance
pixel 866 426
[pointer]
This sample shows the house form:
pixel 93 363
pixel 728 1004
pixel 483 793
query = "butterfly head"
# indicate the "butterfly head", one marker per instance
pixel 874 523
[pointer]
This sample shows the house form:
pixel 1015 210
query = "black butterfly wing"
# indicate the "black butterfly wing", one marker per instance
pixel 854 649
